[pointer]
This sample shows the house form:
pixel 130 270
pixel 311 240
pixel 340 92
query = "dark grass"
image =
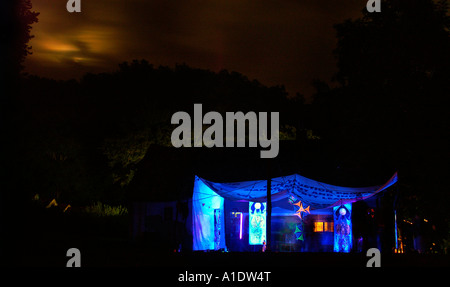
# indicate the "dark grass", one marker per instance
pixel 42 237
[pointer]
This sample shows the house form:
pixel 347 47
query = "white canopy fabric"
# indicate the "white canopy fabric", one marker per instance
pixel 316 194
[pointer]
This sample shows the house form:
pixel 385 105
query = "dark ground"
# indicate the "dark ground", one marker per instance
pixel 122 254
pixel 104 242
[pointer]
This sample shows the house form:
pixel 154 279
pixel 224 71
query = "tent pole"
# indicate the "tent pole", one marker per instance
pixel 269 207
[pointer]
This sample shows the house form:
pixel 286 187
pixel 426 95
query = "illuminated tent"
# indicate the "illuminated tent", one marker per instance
pixel 208 200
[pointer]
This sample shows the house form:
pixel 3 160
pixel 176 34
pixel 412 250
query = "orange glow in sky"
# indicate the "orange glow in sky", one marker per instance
pixel 276 42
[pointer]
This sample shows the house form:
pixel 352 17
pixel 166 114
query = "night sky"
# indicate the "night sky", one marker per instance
pixel 276 42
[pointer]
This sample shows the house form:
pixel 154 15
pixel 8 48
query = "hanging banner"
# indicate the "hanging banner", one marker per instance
pixel 257 224
pixel 342 228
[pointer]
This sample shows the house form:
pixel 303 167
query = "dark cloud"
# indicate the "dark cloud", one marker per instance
pixel 276 42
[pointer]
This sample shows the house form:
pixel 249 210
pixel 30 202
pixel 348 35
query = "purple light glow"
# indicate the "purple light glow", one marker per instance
pixel 240 229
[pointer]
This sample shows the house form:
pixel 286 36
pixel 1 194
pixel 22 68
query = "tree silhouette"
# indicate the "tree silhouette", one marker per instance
pixel 17 18
pixel 399 53
pixel 390 110
pixel 393 70
pixel 83 140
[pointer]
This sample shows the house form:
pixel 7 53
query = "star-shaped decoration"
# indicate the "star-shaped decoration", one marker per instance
pixel 299 232
pixel 301 209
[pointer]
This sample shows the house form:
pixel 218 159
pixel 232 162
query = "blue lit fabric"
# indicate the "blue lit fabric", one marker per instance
pixel 209 196
pixel 204 202
pixel 312 193
pixel 342 228
pixel 257 223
